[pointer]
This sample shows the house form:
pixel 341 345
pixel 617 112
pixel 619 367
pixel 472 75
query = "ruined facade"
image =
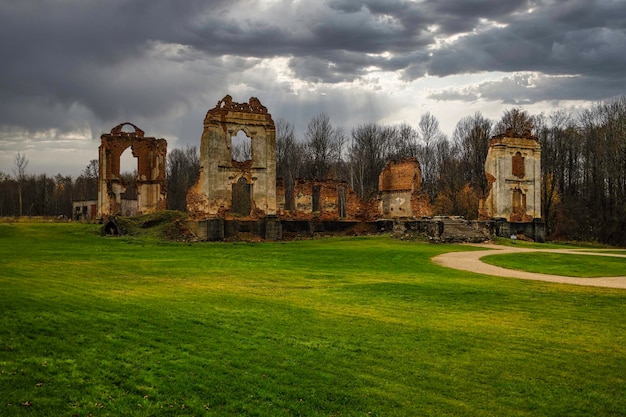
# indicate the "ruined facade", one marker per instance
pixel 320 199
pixel 228 188
pixel 86 210
pixel 400 190
pixel 513 170
pixel 149 192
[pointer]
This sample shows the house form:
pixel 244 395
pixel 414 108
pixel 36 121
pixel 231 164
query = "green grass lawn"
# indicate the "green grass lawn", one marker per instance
pixel 584 266
pixel 336 327
pixel 610 251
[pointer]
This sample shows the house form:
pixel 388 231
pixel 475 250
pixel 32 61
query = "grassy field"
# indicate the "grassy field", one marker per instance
pixel 337 327
pixel 572 265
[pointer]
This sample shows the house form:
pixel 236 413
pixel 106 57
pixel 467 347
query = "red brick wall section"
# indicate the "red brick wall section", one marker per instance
pixel 150 153
pixel 420 205
pixel 329 192
pixel 400 176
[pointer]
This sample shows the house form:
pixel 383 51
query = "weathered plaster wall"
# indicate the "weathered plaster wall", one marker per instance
pixel 84 210
pixel 513 170
pixel 212 195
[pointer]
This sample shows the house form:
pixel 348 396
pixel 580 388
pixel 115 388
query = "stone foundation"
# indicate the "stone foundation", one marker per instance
pixel 535 230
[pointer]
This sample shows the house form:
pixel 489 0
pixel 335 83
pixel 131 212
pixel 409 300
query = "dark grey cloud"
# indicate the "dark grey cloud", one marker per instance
pixel 573 37
pixel 98 55
pixel 73 64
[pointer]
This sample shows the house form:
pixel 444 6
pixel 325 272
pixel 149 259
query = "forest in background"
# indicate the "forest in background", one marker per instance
pixel 583 167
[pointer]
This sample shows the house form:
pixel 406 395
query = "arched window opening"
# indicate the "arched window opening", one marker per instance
pixel 128 174
pixel 128 164
pixel 128 128
pixel 241 147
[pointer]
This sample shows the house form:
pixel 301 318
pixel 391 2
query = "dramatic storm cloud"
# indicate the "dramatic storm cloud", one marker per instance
pixel 73 69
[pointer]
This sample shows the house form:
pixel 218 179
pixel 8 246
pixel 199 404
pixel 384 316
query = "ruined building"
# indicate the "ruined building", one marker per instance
pixel 234 196
pixel 226 187
pixel 238 194
pixel 513 170
pixel 400 190
pixel 149 193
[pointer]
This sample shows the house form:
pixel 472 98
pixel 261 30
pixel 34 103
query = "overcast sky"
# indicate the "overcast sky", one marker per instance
pixel 73 69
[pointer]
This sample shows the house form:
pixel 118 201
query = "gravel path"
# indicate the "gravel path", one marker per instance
pixel 470 261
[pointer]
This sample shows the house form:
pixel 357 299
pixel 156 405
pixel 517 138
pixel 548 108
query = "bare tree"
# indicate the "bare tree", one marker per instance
pixel 289 158
pixel 367 154
pixel 62 195
pixel 558 136
pixel 86 185
pixel 450 181
pixel 404 143
pixel 472 135
pixel 183 170
pixel 429 134
pixel 20 175
pixel 324 144
pixel 515 121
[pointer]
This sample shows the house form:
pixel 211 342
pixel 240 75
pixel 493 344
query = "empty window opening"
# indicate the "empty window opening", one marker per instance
pixel 341 202
pixel 128 164
pixel 128 128
pixel 128 174
pixel 289 196
pixel 241 147
pixel 316 198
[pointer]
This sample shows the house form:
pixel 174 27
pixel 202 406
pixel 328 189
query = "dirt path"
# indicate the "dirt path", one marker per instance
pixel 470 261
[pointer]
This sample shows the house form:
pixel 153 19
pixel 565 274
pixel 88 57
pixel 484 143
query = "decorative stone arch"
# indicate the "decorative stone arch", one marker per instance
pixel 150 181
pixel 117 130
pixel 243 178
pixel 212 195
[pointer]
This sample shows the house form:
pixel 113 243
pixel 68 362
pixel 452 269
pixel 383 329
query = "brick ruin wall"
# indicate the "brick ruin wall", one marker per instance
pixel 151 183
pixel 400 190
pixel 315 199
pixel 404 175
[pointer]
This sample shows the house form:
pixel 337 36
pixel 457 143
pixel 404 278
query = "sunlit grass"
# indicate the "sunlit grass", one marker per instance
pixel 584 266
pixel 343 326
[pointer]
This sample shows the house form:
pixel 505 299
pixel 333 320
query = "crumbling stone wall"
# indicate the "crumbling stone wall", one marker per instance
pixel 321 199
pixel 228 188
pixel 151 192
pixel 400 190
pixel 513 170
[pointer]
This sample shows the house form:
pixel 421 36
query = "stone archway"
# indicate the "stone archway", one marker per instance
pixel 150 181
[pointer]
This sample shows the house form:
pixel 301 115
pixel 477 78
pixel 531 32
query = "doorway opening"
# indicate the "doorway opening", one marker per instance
pixel 242 198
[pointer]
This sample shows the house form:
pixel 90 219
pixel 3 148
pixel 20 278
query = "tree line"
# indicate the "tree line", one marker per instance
pixel 583 167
